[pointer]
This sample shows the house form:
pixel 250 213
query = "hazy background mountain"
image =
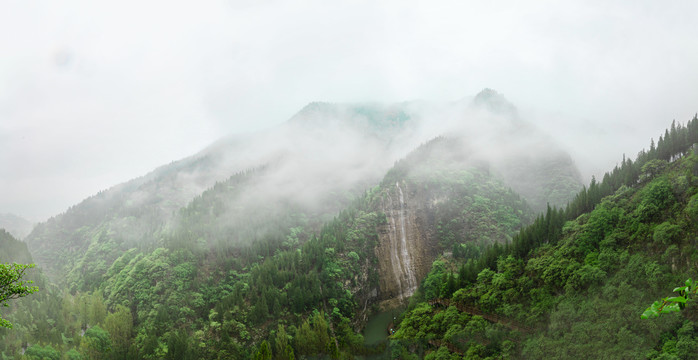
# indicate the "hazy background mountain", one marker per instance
pixel 16 225
pixel 246 265
pixel 87 103
pixel 314 164
pixel 252 179
pixel 575 282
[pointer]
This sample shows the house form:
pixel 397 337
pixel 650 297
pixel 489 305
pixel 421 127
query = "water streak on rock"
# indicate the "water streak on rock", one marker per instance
pixel 407 280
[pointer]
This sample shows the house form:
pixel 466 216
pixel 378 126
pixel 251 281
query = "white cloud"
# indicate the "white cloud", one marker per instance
pixel 95 93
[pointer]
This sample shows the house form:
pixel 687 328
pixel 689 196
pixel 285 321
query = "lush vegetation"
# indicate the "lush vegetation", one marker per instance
pixel 234 277
pixel 12 284
pixel 578 279
pixel 271 280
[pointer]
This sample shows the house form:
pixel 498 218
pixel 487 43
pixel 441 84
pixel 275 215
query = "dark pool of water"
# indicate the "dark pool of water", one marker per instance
pixel 376 330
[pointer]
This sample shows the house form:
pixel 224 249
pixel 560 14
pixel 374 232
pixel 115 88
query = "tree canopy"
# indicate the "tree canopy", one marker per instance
pixel 12 286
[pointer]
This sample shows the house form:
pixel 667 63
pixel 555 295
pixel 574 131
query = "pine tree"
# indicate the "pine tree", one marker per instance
pixel 280 343
pixel 289 353
pixel 264 351
pixel 450 286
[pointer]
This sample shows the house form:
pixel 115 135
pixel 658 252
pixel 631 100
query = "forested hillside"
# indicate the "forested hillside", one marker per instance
pixel 138 212
pixel 315 163
pixel 323 180
pixel 575 282
pixel 289 257
pixel 205 293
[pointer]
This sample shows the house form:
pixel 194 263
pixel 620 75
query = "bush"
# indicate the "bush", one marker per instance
pixel 666 233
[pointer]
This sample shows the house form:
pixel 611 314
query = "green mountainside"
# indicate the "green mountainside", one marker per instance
pixel 284 242
pixel 312 167
pixel 575 283
pixel 207 294
pixel 13 250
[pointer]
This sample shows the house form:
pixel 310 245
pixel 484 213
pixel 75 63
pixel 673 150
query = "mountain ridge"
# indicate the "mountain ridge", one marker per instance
pixel 245 268
pixel 135 211
pixel 18 226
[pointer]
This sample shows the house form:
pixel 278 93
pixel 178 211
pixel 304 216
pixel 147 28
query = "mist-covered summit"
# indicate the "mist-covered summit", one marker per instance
pixel 341 208
pixel 494 102
pixel 18 226
pixel 380 118
pixel 314 165
pixel 374 118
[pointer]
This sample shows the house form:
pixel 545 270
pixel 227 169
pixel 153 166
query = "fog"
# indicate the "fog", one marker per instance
pixel 323 157
pixel 94 94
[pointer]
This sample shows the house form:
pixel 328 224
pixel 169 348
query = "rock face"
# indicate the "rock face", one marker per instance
pixel 406 249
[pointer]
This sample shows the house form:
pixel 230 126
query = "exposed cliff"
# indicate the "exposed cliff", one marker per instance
pixel 405 242
pixel 438 201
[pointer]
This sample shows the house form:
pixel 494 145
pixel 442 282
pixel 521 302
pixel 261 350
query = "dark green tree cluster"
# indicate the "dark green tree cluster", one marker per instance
pixel 547 228
pixel 224 281
pixel 581 276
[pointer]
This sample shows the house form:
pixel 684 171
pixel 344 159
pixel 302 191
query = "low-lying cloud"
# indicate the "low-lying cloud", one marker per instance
pixel 93 94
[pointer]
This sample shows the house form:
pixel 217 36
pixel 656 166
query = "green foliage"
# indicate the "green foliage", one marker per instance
pixel 666 233
pixel 580 276
pixel 656 197
pixel 95 344
pixel 73 354
pixel 36 352
pixel 692 209
pixel 651 169
pixel 12 286
pixel 673 303
pixel 264 351
pixel 119 325
pixel 681 345
pixel 237 278
pixel 433 283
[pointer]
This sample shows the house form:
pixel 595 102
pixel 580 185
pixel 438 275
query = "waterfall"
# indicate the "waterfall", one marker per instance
pixel 404 255
pixel 394 252
pixel 396 260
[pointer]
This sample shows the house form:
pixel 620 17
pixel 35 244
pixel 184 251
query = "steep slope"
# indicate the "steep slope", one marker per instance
pixel 525 158
pixel 578 287
pixel 315 163
pixel 251 290
pixel 135 213
pixel 13 250
pixel 279 242
pixel 275 281
pixel 439 199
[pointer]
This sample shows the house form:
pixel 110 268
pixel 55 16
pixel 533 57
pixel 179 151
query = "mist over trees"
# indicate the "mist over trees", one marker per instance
pixel 275 244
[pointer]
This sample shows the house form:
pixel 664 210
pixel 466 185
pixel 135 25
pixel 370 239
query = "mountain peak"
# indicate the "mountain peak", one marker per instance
pixel 495 102
pixel 369 116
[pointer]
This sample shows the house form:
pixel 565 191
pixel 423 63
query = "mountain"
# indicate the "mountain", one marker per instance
pixel 138 212
pixel 319 160
pixel 305 230
pixel 13 250
pixel 16 225
pixel 574 283
pixel 439 200
pixel 354 261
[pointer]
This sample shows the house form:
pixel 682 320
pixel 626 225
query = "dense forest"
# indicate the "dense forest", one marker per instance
pixel 233 278
pixel 204 293
pixel 575 282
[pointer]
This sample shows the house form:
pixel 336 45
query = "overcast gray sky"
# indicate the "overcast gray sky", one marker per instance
pixel 94 93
